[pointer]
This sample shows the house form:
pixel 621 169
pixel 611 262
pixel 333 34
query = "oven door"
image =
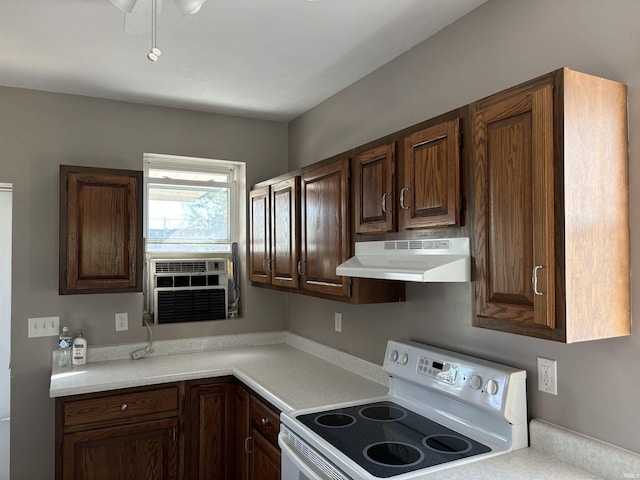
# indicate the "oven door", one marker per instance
pixel 309 465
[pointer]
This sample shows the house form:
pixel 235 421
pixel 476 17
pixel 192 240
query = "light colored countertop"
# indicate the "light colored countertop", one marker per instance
pixel 294 373
pixel 524 464
pixel 285 376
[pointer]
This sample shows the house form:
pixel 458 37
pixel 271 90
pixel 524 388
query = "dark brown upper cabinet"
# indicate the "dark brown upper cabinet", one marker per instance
pixel 421 190
pixel 300 231
pixel 260 235
pixel 100 230
pixel 274 224
pixel 551 208
pixel 430 193
pixel 374 180
pixel 325 227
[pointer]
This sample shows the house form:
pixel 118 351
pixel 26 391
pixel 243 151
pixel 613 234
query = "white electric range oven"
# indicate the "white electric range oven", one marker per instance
pixel 443 409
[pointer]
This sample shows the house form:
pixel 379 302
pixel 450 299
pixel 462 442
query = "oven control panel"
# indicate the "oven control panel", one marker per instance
pixel 440 370
pixel 470 379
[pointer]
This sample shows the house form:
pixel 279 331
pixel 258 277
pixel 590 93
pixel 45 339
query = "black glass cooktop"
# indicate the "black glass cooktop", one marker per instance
pixel 387 440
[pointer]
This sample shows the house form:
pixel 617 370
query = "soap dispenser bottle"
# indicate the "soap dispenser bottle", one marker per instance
pixel 79 350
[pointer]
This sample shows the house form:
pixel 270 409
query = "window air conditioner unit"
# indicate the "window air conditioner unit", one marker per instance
pixel 190 290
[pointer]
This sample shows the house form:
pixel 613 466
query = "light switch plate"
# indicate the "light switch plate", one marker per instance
pixel 44 327
pixel 338 321
pixel 548 375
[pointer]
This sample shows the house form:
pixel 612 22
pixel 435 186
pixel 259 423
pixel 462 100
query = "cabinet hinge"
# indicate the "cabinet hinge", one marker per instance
pixel 460 139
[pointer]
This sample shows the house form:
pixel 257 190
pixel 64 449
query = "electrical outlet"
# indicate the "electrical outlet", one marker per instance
pixel 44 327
pixel 122 321
pixel 338 321
pixel 548 375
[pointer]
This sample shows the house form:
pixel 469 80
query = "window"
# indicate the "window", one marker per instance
pixel 190 205
pixel 194 217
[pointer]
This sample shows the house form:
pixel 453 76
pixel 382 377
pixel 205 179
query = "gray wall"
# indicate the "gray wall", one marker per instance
pixel 38 132
pixel 501 44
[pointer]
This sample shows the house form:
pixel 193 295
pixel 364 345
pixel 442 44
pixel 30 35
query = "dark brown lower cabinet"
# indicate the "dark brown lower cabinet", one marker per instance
pixel 132 434
pixel 264 463
pixel 140 450
pixel 259 424
pixel 209 429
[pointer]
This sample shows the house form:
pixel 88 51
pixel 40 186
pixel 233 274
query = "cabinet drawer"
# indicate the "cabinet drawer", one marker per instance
pixel 121 406
pixel 264 419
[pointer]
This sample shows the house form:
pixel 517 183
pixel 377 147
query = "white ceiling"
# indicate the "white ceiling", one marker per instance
pixel 268 59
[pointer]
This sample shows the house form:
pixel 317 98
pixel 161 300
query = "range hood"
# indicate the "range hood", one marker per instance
pixel 432 260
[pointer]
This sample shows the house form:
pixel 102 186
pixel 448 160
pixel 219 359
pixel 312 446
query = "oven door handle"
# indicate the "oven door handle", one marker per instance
pixel 306 471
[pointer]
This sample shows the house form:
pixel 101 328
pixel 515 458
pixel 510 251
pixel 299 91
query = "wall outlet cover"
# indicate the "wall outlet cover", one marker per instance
pixel 548 375
pixel 338 321
pixel 122 321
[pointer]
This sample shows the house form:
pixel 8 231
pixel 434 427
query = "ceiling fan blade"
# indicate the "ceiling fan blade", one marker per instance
pixel 189 7
pixel 124 5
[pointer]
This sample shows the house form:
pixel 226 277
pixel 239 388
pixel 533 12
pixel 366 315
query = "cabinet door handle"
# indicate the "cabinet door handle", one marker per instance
pixel 384 202
pixel 300 272
pixel 534 279
pixel 123 407
pixel 402 205
pixel 264 422
pixel 247 442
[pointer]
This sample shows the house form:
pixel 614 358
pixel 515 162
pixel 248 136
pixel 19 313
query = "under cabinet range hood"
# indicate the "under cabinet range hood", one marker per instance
pixel 430 260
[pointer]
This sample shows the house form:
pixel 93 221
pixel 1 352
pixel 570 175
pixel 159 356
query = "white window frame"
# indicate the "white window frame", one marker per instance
pixel 237 207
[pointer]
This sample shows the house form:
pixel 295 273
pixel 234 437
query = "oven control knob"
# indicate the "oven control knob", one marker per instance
pixel 492 387
pixel 393 355
pixel 404 359
pixel 475 382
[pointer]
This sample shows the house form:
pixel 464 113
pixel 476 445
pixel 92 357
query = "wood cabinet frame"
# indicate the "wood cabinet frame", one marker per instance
pixel 100 230
pixel 578 214
pixel 422 175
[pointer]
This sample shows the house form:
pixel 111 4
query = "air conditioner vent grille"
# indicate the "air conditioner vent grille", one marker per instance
pixel 181 266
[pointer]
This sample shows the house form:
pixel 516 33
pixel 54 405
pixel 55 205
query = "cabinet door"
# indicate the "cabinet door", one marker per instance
pixel 325 227
pixel 259 235
pixel 264 463
pixel 430 193
pixel 138 452
pixel 209 447
pixel 514 231
pixel 374 190
pixel 285 231
pixel 243 433
pixel 100 230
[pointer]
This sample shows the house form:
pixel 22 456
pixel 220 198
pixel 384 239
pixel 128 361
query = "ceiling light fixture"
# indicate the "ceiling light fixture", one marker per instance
pixel 186 7
pixel 124 5
pixel 155 52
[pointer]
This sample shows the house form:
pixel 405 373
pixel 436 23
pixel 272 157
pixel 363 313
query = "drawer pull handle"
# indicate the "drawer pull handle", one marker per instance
pixel 123 407
pixel 247 448
pixel 264 422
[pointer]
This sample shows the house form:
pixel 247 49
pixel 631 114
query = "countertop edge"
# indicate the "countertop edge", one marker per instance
pixel 593 455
